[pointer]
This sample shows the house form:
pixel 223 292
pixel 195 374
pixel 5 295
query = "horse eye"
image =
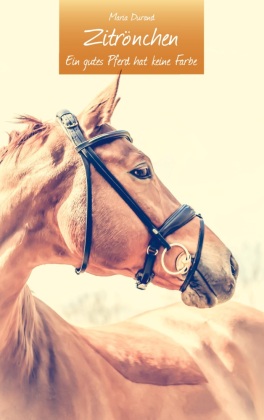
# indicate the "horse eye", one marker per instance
pixel 142 173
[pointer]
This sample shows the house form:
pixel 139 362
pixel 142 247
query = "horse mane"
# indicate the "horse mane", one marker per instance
pixel 24 351
pixel 34 127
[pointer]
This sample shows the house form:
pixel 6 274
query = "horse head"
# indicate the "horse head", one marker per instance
pixel 49 193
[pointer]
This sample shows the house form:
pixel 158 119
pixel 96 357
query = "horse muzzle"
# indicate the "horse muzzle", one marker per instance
pixel 208 288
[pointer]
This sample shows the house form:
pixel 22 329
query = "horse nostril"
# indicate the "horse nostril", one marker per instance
pixel 234 267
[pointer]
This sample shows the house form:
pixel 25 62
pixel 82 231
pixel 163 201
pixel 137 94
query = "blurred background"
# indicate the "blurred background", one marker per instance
pixel 204 134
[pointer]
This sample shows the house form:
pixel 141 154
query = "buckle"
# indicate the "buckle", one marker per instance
pixel 141 286
pixel 70 121
pixel 152 251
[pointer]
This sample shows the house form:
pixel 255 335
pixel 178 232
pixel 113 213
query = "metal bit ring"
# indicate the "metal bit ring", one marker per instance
pixel 186 263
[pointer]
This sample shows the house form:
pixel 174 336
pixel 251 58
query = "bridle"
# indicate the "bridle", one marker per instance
pixel 175 221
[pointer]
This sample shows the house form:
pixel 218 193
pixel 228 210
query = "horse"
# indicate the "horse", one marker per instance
pixel 76 191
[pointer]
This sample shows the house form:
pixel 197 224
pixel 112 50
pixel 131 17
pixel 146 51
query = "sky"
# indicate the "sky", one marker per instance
pixel 204 133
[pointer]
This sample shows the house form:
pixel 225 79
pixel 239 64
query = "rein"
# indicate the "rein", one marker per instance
pixel 175 221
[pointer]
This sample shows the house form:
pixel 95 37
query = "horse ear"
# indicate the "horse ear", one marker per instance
pixel 100 110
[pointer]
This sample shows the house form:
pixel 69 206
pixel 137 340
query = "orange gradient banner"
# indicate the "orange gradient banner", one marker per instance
pixel 105 37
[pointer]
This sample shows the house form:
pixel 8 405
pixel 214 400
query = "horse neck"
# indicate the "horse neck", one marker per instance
pixel 13 210
pixel 14 273
pixel 17 334
pixel 22 223
pixel 14 268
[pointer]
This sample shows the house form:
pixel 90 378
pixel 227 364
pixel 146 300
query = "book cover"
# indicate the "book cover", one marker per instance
pixel 190 77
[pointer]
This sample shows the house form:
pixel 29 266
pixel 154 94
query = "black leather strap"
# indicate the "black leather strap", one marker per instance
pixel 178 219
pixel 197 257
pixel 103 138
pixel 71 126
pixel 146 274
pixel 89 220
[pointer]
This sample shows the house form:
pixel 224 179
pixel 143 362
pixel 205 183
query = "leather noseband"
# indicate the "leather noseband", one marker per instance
pixel 175 221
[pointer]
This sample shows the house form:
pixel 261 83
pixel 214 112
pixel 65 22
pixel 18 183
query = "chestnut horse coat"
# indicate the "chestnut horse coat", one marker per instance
pixel 172 363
